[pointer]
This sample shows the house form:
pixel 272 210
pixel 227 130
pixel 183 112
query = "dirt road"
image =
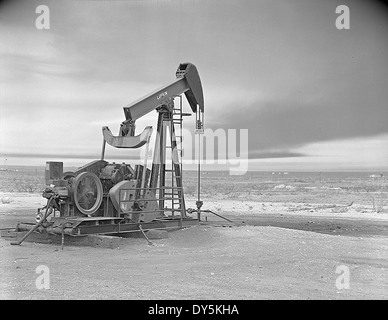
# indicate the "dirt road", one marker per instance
pixel 321 224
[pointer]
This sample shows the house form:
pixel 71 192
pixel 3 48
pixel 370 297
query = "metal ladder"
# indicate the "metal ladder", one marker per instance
pixel 178 120
pixel 175 190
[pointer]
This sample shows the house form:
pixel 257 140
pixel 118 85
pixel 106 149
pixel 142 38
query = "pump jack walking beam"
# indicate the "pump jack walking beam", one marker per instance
pixel 187 82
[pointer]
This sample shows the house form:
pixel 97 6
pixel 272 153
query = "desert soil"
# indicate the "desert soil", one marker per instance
pixel 274 251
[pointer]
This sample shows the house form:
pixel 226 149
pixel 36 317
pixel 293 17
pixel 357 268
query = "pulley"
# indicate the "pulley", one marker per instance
pixel 88 192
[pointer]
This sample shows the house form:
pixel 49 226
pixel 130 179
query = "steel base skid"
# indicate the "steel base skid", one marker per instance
pixel 80 226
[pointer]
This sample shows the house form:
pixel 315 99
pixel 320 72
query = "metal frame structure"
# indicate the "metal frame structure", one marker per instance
pixel 153 185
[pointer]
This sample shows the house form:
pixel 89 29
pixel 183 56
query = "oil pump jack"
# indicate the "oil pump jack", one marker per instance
pixel 109 198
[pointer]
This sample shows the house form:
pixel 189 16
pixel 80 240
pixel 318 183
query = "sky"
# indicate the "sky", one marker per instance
pixel 312 97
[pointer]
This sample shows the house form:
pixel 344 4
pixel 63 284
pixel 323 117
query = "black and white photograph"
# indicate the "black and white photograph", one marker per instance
pixel 193 154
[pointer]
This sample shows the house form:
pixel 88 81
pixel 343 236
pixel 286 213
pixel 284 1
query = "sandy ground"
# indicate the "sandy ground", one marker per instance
pixel 242 207
pixel 206 262
pixel 16 202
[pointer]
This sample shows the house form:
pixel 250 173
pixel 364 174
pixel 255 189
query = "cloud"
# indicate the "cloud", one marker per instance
pixel 80 156
pixel 283 71
pixel 275 154
pixel 290 124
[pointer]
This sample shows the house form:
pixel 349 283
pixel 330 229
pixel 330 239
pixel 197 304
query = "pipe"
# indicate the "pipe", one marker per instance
pixel 35 226
pixel 217 215
pixel 145 236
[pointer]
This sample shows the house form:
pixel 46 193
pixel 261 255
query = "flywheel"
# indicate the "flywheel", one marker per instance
pixel 88 192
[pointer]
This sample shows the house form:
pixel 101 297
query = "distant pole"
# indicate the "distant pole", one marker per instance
pixel 199 167
pixel 199 131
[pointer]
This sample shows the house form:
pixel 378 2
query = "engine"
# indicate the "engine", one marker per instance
pixel 101 189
